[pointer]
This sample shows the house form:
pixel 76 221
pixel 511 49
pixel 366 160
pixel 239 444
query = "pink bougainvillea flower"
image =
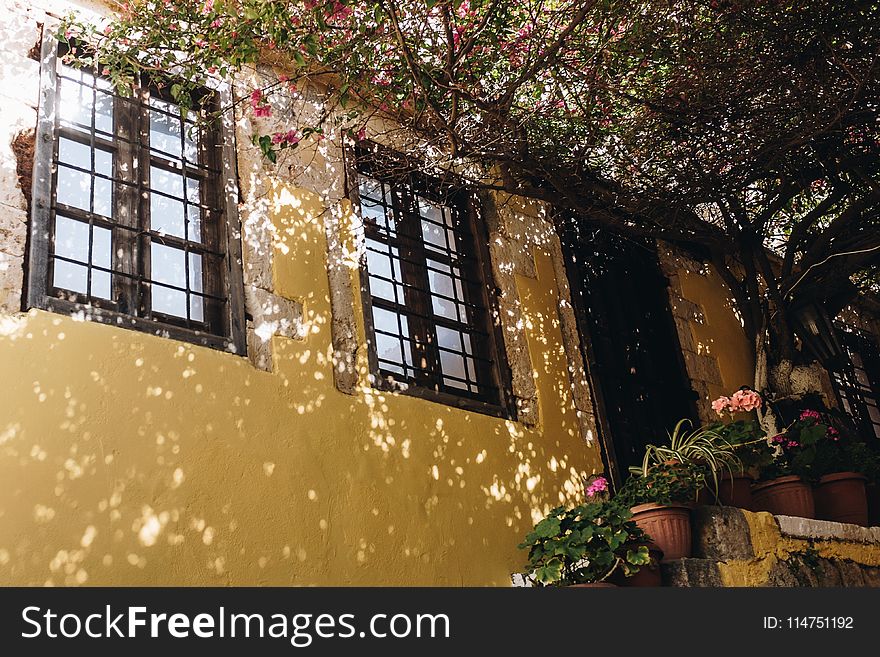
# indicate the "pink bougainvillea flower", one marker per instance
pixel 721 404
pixel 598 485
pixel 810 415
pixel 288 138
pixel 259 105
pixel 745 400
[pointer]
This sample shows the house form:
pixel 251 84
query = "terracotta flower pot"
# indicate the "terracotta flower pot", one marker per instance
pixel 647 576
pixel 668 526
pixel 841 497
pixel 732 491
pixel 784 496
pixel 736 491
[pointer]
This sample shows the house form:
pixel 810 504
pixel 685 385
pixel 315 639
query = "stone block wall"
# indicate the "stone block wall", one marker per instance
pixel 733 547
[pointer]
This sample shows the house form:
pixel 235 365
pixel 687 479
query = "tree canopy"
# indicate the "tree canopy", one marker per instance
pixel 748 130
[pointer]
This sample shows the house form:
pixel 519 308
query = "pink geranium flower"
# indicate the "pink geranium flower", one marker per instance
pixel 598 485
pixel 745 400
pixel 721 405
pixel 811 415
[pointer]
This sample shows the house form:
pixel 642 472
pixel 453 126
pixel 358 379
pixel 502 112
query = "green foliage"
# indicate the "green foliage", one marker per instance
pixel 820 443
pixel 587 543
pixel 721 124
pixel 668 483
pixel 748 441
pixel 703 448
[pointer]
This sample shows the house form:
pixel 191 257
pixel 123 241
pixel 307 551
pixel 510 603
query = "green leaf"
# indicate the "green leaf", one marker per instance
pixel 640 557
pixel 549 572
pixel 547 527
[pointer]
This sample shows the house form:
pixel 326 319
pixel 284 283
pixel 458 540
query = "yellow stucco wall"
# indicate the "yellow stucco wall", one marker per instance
pixel 136 460
pixel 719 333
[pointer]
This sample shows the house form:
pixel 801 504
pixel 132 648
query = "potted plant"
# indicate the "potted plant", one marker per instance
pixel 784 482
pixel 585 546
pixel 661 499
pixel 703 448
pixel 840 472
pixel 750 446
pixel 748 442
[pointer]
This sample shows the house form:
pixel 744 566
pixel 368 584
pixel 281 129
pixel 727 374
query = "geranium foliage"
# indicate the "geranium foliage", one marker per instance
pixel 747 129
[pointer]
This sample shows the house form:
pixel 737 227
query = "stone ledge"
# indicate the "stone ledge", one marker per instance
pixel 691 573
pixel 825 530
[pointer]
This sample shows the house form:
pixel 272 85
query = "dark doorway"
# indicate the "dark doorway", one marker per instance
pixel 630 341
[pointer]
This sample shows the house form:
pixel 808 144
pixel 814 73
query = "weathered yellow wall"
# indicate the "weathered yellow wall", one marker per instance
pixel 131 459
pixel 719 333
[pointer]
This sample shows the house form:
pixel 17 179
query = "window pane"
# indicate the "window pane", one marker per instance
pixel 370 189
pixel 193 212
pixel 72 239
pixel 74 153
pixel 452 364
pixel 166 214
pixel 103 197
pixel 75 103
pixel 191 142
pixel 443 283
pixel 393 348
pixel 104 113
pixel 165 128
pixel 101 255
pixel 375 214
pixel 74 188
pixel 196 303
pixel 371 196
pixel 436 226
pixel 103 163
pixel 168 266
pixel 388 267
pixel 69 276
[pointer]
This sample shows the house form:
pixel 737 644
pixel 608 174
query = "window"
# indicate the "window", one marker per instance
pixel 424 285
pixel 133 220
pixel 858 381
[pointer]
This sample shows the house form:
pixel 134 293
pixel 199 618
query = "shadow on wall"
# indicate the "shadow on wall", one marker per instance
pixel 130 459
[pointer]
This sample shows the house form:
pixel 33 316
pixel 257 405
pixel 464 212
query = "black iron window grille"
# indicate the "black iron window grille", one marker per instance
pixel 133 218
pixel 858 381
pixel 428 307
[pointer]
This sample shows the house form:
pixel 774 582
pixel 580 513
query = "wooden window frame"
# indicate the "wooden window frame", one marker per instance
pixel 479 274
pixel 226 329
